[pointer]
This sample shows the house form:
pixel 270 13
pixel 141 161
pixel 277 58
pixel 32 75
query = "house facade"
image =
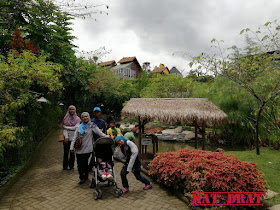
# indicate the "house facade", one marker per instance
pixel 175 72
pixel 127 68
pixel 161 70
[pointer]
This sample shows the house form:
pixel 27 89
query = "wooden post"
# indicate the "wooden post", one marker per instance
pixel 144 147
pixel 203 136
pixel 154 148
pixel 140 137
pixel 195 136
pixel 156 144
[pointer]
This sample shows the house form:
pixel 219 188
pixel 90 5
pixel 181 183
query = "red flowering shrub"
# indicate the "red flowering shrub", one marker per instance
pixel 201 171
pixel 17 43
pixel 154 130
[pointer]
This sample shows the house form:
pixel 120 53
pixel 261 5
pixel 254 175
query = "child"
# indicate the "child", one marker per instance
pixel 113 131
pixel 104 169
pixel 127 149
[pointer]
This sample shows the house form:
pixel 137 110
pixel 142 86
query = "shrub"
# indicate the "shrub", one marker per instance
pixel 200 171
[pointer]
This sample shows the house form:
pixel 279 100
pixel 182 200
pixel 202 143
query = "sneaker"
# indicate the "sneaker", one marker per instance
pixel 146 187
pixel 82 181
pixel 64 169
pixel 71 169
pixel 124 190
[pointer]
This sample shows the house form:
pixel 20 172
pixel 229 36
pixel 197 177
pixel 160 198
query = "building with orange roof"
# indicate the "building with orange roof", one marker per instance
pixel 128 68
pixel 108 64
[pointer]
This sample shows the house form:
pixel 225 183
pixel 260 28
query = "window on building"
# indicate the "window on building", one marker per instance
pixel 133 74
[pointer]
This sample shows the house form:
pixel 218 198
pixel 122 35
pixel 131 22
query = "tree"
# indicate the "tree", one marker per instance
pixel 111 90
pixel 141 82
pixel 167 87
pixel 21 77
pixel 95 57
pixel 146 66
pixel 254 67
pixel 41 22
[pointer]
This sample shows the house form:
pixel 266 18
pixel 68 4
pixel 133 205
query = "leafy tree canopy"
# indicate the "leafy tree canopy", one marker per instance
pixel 19 77
pixel 254 67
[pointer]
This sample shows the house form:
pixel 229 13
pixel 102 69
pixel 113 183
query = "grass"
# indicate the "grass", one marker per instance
pixel 268 162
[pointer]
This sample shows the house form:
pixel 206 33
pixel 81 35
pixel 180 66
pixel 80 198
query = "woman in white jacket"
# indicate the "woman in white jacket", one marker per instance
pixel 70 121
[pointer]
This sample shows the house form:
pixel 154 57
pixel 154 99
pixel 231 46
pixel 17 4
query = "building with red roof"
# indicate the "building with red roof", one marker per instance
pixel 128 68
pixel 108 64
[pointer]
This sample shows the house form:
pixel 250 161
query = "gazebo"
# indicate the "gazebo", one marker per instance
pixel 198 112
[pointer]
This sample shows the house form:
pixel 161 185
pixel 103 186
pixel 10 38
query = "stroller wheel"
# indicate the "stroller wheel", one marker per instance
pixel 97 194
pixel 92 184
pixel 118 192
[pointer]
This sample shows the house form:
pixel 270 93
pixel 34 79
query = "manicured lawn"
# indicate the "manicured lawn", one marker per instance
pixel 268 162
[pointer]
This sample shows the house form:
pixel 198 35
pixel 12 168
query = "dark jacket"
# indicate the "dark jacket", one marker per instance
pixel 101 125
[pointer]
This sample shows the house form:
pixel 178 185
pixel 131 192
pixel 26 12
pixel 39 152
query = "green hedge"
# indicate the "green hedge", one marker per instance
pixel 38 122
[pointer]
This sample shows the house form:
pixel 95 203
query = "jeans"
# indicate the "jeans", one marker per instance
pixel 82 161
pixel 68 161
pixel 137 175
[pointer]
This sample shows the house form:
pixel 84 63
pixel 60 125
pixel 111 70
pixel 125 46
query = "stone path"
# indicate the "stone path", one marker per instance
pixel 45 186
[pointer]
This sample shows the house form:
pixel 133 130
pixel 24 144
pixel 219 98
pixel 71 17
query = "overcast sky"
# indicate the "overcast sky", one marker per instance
pixel 152 30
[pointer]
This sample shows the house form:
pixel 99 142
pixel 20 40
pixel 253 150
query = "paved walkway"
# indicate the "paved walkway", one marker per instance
pixel 45 186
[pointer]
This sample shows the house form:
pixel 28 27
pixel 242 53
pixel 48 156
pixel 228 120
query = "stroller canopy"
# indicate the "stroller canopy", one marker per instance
pixel 104 140
pixel 104 148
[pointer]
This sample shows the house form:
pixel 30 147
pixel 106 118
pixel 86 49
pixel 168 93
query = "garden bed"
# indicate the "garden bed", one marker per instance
pixel 200 171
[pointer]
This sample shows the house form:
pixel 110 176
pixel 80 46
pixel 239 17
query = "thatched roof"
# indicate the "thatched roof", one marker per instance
pixel 175 110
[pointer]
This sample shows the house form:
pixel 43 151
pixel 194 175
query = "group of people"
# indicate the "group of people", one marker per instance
pixel 89 131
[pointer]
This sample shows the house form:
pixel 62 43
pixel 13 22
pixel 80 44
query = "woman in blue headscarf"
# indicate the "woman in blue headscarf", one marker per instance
pixel 86 130
pixel 127 149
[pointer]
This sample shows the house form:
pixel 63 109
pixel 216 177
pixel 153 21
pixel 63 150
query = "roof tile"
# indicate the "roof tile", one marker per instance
pixel 107 63
pixel 125 60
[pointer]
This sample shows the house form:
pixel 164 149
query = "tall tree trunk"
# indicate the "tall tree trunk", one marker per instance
pixel 257 128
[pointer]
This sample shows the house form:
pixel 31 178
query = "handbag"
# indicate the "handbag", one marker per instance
pixel 61 138
pixel 78 142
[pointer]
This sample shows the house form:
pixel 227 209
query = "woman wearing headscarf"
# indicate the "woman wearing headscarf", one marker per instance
pixel 86 130
pixel 70 121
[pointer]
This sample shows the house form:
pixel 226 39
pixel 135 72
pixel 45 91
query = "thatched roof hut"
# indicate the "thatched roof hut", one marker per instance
pixel 175 110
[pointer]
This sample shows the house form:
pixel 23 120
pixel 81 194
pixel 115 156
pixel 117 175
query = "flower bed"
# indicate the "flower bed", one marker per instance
pixel 154 130
pixel 200 171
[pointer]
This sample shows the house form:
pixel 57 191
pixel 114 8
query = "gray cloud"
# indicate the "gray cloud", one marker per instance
pixel 156 29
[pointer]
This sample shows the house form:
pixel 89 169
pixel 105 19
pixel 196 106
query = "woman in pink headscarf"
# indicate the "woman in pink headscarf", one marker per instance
pixel 70 121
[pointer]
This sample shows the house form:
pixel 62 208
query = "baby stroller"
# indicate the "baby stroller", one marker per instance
pixel 104 147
